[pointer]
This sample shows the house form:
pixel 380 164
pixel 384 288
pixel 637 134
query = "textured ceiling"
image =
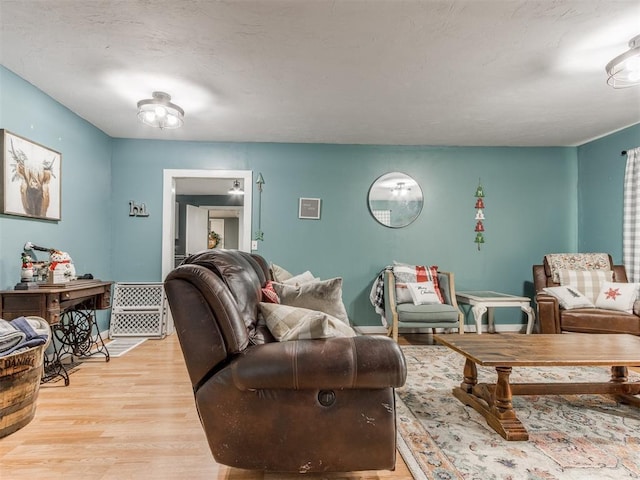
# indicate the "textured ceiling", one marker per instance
pixel 439 72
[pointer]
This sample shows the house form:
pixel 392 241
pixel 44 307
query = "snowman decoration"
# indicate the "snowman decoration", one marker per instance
pixel 61 267
pixel 26 272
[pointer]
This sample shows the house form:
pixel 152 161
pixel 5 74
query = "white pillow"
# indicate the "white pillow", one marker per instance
pixel 324 296
pixel 304 277
pixel 423 293
pixel 617 296
pixel 569 297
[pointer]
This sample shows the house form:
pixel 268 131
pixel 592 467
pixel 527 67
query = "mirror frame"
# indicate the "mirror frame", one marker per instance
pixel 387 182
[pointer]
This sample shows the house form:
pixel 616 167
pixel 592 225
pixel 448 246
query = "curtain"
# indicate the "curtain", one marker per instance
pixel 631 217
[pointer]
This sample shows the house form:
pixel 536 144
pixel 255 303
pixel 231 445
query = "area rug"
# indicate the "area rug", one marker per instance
pixel 571 437
pixel 121 345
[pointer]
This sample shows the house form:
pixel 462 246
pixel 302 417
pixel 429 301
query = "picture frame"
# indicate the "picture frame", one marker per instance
pixel 309 208
pixel 30 178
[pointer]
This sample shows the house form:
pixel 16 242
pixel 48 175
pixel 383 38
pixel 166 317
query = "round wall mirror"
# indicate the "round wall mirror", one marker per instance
pixel 395 200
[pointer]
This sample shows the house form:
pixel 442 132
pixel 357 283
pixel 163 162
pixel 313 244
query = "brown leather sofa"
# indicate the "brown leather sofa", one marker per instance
pixel 297 406
pixel 553 319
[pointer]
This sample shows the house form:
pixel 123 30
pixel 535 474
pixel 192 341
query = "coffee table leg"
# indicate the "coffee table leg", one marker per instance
pixel 470 376
pixel 493 402
pixel 620 375
pixel 503 406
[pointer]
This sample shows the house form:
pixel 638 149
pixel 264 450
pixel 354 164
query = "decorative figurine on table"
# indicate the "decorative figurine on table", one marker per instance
pixel 26 272
pixel 61 267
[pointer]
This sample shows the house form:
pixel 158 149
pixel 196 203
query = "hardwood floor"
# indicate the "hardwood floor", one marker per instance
pixel 131 418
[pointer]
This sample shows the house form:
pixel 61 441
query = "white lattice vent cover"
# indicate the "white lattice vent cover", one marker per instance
pixel 137 324
pixel 138 310
pixel 138 295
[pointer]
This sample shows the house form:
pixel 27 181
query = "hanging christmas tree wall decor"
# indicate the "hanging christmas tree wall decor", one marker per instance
pixel 479 215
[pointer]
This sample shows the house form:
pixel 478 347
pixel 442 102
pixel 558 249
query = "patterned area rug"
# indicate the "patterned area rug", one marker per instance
pixel 571 437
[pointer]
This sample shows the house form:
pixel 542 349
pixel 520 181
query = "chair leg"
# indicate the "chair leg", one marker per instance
pixel 394 327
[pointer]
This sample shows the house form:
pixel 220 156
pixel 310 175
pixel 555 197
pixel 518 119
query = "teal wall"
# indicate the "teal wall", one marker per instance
pixel 85 228
pixel 347 241
pixel 533 200
pixel 601 174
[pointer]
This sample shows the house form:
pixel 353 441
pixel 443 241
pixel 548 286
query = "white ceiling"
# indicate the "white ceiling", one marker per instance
pixel 430 72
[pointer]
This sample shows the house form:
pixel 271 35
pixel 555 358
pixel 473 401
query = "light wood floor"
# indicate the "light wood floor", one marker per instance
pixel 131 418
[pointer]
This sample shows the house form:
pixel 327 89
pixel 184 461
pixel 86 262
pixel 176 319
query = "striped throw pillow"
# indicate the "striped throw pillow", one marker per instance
pixel 587 282
pixel 294 323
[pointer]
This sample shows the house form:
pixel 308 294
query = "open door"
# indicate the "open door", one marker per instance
pixel 197 229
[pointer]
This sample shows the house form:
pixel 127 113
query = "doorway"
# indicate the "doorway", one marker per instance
pixel 208 179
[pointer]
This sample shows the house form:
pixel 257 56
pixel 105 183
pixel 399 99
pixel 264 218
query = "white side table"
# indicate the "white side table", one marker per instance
pixel 485 301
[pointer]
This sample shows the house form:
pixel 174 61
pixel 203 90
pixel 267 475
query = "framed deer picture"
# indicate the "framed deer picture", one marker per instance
pixel 30 178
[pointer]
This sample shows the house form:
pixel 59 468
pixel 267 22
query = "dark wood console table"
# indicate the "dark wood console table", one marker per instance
pixel 70 310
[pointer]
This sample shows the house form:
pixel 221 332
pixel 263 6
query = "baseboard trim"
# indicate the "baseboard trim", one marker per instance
pixel 380 330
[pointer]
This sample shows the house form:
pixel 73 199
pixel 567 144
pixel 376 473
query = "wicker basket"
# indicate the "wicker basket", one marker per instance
pixel 20 375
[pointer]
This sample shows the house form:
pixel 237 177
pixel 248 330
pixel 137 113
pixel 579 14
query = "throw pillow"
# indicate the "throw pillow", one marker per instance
pixel 587 282
pixel 304 277
pixel 569 297
pixel 575 261
pixel 279 274
pixel 423 293
pixel 269 295
pixel 294 323
pixel 325 296
pixel 405 273
pixel 617 296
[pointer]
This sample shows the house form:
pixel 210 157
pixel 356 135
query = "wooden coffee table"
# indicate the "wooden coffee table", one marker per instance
pixel 505 351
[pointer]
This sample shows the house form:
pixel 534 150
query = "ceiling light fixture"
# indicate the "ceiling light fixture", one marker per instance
pixel 236 189
pixel 624 70
pixel 159 112
pixel 400 189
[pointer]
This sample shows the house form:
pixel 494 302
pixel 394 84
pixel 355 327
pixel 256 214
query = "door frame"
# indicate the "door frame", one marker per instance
pixel 168 208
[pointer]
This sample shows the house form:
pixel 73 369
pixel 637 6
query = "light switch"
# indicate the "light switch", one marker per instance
pixel 254 245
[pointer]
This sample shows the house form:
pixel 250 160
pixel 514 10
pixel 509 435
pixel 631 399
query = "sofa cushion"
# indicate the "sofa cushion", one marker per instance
pixel 569 297
pixel 598 320
pixel 587 282
pixel 434 313
pixel 423 293
pixel 294 323
pixel 405 273
pixel 325 296
pixel 617 296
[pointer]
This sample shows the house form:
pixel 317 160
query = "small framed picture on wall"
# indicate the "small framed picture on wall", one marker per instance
pixel 309 208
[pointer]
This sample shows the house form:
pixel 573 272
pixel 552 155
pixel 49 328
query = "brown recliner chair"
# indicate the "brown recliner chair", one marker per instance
pixel 297 406
pixel 553 319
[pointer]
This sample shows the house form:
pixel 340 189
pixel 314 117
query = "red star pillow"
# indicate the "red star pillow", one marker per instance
pixel 617 296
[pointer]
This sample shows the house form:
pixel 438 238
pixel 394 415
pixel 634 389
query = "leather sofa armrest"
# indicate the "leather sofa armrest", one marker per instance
pixel 548 313
pixel 333 363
